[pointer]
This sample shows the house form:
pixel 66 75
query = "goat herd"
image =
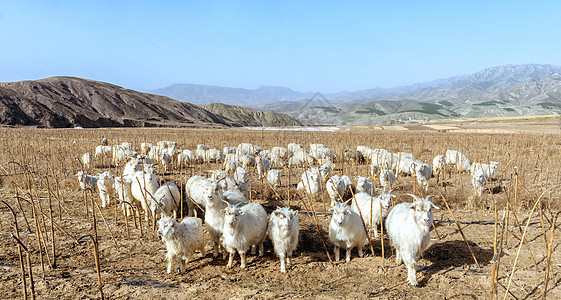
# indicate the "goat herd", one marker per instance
pixel 236 225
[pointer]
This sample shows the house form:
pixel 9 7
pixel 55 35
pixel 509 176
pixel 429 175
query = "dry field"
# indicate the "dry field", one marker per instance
pixel 512 219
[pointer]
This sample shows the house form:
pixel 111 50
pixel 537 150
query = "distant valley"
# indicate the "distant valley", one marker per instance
pixel 510 90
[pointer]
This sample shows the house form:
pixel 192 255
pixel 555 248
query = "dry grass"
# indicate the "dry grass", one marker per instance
pixel 529 168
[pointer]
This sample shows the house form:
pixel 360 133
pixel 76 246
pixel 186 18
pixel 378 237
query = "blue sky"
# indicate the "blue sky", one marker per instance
pixel 325 46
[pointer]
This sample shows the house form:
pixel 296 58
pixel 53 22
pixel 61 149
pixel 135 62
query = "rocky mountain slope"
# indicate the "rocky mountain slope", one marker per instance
pixel 512 90
pixel 62 102
pixel 246 116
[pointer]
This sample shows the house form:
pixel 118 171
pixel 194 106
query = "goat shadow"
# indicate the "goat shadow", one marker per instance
pixel 454 254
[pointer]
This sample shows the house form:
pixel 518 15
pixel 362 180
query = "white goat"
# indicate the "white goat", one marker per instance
pixel 335 187
pixel 490 169
pixel 373 209
pixel 105 186
pixel 479 181
pixel 387 178
pixel 230 166
pixel 283 231
pixel 406 166
pixel 165 160
pixel 346 230
pixel 302 156
pixel 247 161
pixel 438 165
pixel 145 148
pixel 276 160
pixel 295 162
pixel 87 160
pixel 321 152
pixel 214 156
pixel 234 196
pixel 408 226
pixel 208 194
pixel 263 165
pixel 363 185
pixel 143 187
pixel 86 181
pixel 229 150
pixel 281 152
pixel 123 189
pixel 241 178
pixel 182 239
pixel 423 173
pixel 244 227
pixel 293 147
pixel 198 190
pixel 102 150
pixel 458 159
pixel 274 177
pixel 310 183
pixel 166 200
pixel 134 164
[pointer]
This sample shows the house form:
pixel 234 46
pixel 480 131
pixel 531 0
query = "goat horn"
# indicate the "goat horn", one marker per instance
pixel 415 197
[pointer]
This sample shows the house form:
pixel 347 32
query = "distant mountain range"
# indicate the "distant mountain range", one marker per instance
pixel 509 90
pixel 62 102
pixel 203 94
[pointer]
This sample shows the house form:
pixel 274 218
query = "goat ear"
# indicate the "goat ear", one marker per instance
pixel 295 213
pixel 432 204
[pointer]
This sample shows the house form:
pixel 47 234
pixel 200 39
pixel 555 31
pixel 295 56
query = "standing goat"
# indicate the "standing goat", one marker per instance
pixel 105 186
pixel 182 239
pixel 207 193
pixel 166 200
pixel 244 227
pixel 408 226
pixel 274 177
pixel 335 187
pixel 387 178
pixel 143 187
pixel 346 230
pixel 283 231
pixel 123 189
pixel 373 209
pixel 86 181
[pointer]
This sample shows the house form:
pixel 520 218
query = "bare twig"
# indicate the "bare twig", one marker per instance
pixel 96 256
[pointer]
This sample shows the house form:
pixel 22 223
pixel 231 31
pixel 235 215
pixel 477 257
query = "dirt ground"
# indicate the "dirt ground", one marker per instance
pixel 133 266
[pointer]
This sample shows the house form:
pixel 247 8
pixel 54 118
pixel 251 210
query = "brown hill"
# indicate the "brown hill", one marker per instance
pixel 62 102
pixel 246 116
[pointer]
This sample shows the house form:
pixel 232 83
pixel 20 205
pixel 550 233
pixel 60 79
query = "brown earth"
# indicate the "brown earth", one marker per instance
pixel 66 102
pixel 134 267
